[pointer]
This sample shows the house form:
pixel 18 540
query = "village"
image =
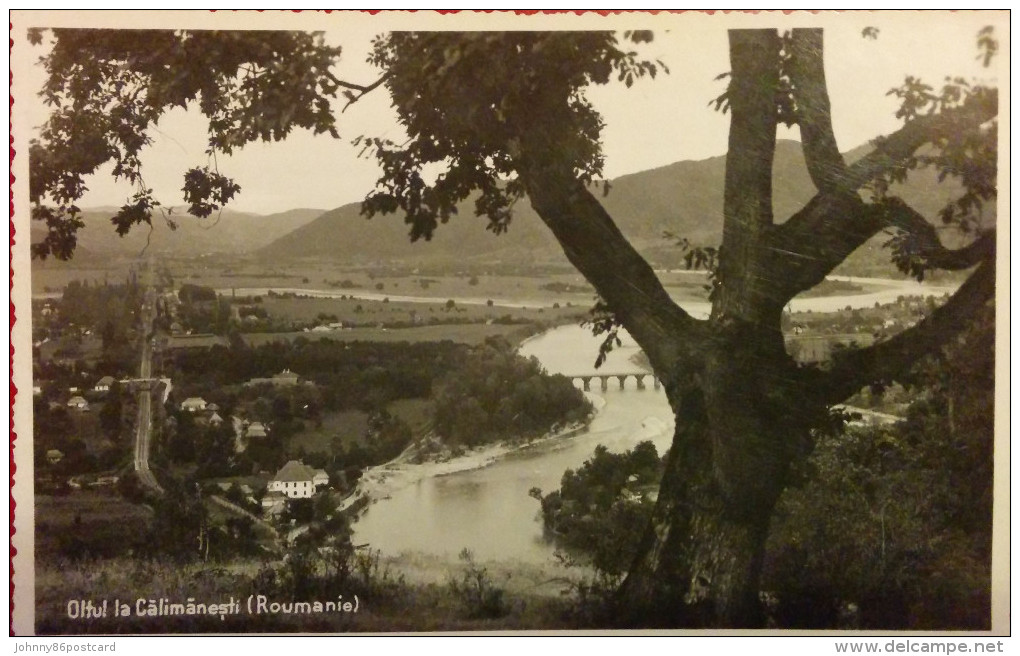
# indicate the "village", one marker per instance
pixel 261 441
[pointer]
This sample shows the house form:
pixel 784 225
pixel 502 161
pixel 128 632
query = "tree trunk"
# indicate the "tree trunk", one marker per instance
pixel 699 563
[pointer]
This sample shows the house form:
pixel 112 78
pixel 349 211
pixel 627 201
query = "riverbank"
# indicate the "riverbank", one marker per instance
pixel 409 468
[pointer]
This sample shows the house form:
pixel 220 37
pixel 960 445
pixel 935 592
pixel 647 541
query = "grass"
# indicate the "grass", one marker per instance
pixel 353 280
pixel 361 312
pixel 349 426
pixel 386 603
pixel 460 333
pixel 53 275
pixel 416 413
pixel 87 522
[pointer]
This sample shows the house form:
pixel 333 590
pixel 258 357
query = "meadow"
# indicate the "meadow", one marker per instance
pixel 87 524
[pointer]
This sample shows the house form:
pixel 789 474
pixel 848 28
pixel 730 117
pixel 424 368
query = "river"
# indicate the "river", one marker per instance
pixel 488 510
pixel 876 290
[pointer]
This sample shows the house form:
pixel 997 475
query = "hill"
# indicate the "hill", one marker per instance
pixel 233 233
pixel 685 198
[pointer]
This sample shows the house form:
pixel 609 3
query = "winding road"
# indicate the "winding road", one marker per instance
pixel 143 431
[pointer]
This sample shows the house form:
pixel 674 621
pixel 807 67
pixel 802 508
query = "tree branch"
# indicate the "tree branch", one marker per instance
pixel 804 249
pixel 825 164
pixel 747 201
pixel 885 361
pixel 361 89
pixel 832 226
pixel 920 248
pixel 890 151
pixel 358 87
pixel 816 240
pixel 595 246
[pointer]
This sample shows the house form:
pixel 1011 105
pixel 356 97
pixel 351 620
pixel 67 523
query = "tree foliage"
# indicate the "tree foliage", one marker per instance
pixel 496 394
pixel 598 508
pixel 897 520
pixel 252 86
pixel 466 98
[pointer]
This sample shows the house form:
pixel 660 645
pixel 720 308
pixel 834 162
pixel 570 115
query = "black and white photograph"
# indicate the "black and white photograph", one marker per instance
pixel 504 322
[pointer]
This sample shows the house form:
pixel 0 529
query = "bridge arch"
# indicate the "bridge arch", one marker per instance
pixel 585 380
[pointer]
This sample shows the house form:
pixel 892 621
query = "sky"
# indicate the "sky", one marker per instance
pixel 652 124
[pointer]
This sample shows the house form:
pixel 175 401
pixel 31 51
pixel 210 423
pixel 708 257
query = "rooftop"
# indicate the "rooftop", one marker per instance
pixel 295 470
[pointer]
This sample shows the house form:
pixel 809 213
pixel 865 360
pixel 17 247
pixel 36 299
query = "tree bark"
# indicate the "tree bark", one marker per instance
pixel 739 425
pixel 594 244
pixel 747 202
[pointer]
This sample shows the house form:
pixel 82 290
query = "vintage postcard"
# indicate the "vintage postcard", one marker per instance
pixel 409 322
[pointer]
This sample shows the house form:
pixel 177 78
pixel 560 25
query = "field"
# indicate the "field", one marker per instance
pixel 87 524
pixel 359 312
pixel 350 426
pixel 53 276
pixel 495 280
pixel 462 333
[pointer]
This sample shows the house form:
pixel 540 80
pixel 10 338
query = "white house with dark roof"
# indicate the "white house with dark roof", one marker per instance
pixel 193 404
pixel 297 480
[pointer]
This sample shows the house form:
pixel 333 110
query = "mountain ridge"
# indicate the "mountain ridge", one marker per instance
pixel 685 198
pixel 229 232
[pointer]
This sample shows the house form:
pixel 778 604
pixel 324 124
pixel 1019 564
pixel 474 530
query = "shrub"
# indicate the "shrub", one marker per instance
pixel 479 596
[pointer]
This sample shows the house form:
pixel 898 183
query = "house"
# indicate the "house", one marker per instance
pixel 215 419
pixel 104 384
pixel 193 404
pixel 286 377
pixel 53 456
pixel 256 429
pixel 297 480
pixel 78 403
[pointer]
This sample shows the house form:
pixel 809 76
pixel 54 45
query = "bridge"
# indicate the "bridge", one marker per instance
pixel 621 377
pixel 805 349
